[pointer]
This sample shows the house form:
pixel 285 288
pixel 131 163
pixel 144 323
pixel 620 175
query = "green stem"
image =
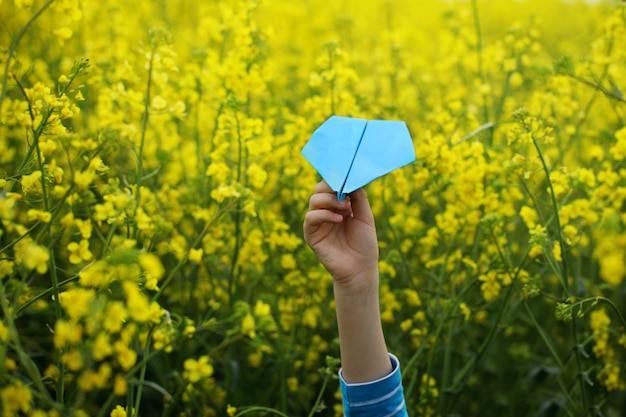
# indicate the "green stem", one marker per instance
pixel 564 278
pixel 183 260
pixel 232 275
pixel 14 336
pixel 144 128
pixel 318 400
pixel 142 376
pixel 43 294
pixel 479 60
pixel 248 410
pixel 13 47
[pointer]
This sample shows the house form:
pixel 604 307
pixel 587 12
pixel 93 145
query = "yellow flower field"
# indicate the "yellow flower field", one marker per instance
pixel 152 194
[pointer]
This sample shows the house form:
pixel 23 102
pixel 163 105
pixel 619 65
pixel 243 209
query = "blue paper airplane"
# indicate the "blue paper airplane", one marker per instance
pixel 350 153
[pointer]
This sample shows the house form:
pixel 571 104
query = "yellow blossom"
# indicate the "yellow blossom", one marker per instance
pixel 120 385
pixel 115 316
pixel 23 4
pixel 465 310
pixel 618 150
pixel 195 255
pixel 63 33
pixel 95 274
pixel 137 304
pixel 79 251
pixel 153 268
pixel 287 261
pixel 125 356
pixel 101 347
pixel 248 326
pixel 195 370
pixel 490 285
pixel 16 399
pixel 4 332
pixel 613 267
pixel 6 268
pixel 118 411
pixel 31 183
pixel 256 175
pixel 33 257
pixel 223 192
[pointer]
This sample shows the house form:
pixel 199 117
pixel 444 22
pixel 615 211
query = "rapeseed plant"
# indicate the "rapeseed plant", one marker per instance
pixel 152 194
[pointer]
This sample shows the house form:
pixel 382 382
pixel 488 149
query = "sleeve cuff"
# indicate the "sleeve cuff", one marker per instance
pixel 383 396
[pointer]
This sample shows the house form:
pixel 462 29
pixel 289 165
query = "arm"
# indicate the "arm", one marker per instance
pixel 343 236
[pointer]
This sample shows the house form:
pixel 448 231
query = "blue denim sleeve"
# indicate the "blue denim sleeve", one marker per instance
pixel 383 397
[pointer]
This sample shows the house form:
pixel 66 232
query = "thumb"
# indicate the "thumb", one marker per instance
pixel 361 206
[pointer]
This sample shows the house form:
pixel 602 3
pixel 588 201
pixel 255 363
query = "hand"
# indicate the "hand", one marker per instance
pixel 343 236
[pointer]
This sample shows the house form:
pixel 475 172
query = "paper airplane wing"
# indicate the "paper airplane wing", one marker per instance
pixel 385 146
pixel 332 148
pixel 349 153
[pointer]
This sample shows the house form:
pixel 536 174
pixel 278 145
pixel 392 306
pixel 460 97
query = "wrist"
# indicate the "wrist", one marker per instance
pixel 363 283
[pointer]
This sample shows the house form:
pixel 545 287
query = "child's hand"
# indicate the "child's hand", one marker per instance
pixel 343 236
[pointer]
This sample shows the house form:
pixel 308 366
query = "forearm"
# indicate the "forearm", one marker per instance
pixel 364 354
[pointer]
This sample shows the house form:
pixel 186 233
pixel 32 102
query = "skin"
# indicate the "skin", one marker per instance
pixel 343 236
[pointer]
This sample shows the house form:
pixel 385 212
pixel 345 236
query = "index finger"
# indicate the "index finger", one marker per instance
pixel 322 187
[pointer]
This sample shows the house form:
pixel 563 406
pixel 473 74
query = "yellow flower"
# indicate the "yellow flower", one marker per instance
pixel 158 103
pixel 219 171
pixel 115 317
pixel 6 268
pixel 79 252
pixel 83 179
pixel 125 356
pixel 223 192
pixel 25 4
pixel 7 211
pixel 231 411
pixel 195 255
pixel 137 304
pixel 16 399
pixel 287 262
pixel 4 332
pixel 39 215
pixel 77 302
pixel 151 264
pixel 613 267
pixel 413 298
pixel 195 370
pixel 63 33
pixel 31 183
pixel 261 309
pixel 255 358
pixel 292 384
pixel 490 286
pixel 465 310
pixel 256 175
pixel 248 326
pixel 101 347
pixel 118 411
pixel 406 325
pixel 618 150
pixel 529 216
pixel 84 227
pixel 95 275
pixel 120 386
pixel 556 251
pixel 33 256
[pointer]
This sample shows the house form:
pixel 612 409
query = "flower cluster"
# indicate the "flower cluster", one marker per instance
pixel 152 194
